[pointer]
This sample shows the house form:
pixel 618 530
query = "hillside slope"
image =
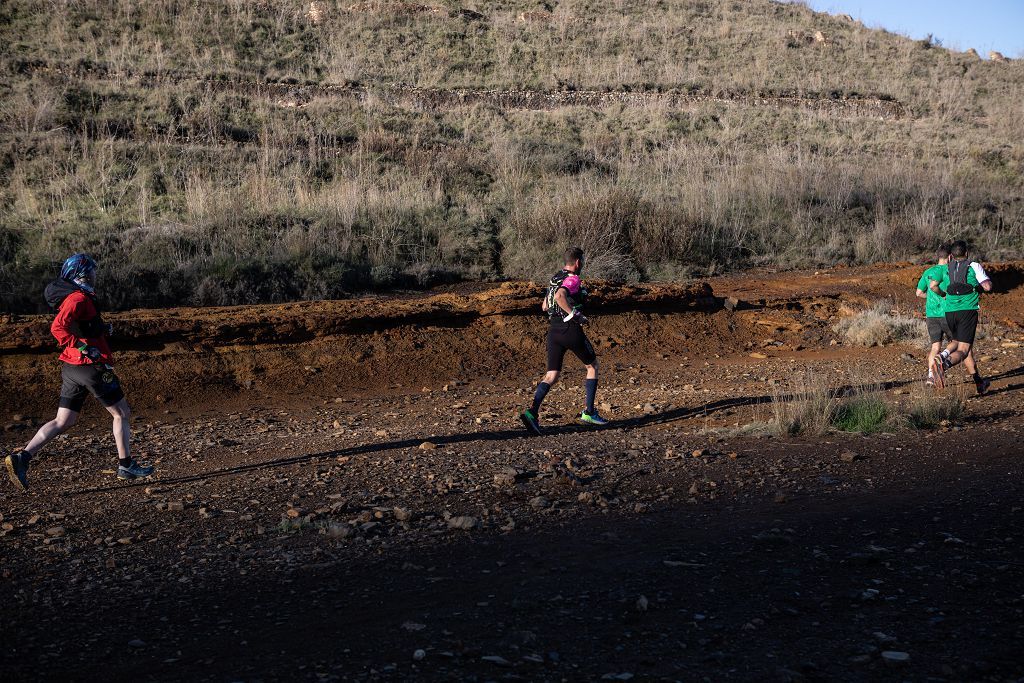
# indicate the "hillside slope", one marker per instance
pixel 238 152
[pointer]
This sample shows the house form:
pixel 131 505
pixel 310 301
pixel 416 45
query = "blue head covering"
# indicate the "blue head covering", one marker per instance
pixel 77 268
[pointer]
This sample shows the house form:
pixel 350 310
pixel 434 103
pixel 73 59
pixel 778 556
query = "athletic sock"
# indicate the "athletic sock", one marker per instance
pixel 977 377
pixel 538 396
pixel 125 462
pixel 26 456
pixel 591 385
pixel 944 354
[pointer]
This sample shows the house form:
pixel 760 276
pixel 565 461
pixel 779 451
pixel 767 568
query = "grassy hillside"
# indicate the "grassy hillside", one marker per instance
pixel 242 151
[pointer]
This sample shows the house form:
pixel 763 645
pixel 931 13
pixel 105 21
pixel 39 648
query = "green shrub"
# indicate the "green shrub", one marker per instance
pixel 864 414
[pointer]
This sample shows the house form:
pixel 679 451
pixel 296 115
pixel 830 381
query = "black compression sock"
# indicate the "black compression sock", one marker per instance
pixel 591 386
pixel 125 462
pixel 538 396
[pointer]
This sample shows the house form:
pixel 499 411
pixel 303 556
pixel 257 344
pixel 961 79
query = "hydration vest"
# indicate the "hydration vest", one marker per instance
pixel 958 270
pixel 555 313
pixel 59 290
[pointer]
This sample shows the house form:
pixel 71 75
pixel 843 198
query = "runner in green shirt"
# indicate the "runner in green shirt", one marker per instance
pixel 960 286
pixel 935 314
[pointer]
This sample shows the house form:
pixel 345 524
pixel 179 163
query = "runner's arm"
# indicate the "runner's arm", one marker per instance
pixel 562 302
pixel 934 286
pixel 983 279
pixel 920 294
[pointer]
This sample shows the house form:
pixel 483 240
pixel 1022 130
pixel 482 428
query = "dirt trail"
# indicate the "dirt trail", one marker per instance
pixel 372 344
pixel 344 493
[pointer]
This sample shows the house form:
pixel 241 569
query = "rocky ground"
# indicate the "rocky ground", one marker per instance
pixel 360 503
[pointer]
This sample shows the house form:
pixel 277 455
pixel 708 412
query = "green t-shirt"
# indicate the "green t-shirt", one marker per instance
pixel 963 302
pixel 933 304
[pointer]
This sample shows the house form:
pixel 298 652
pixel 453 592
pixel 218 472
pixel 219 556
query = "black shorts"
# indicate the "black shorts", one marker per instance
pixel 962 325
pixel 569 338
pixel 937 329
pixel 78 381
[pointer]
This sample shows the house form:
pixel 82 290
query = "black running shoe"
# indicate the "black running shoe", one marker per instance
pixel 982 386
pixel 134 471
pixel 531 422
pixel 17 469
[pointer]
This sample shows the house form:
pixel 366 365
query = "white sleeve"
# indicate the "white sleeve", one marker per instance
pixel 979 272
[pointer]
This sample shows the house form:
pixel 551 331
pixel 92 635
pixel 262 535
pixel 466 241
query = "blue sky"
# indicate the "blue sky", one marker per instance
pixel 982 24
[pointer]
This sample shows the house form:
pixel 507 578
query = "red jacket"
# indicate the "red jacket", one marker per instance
pixel 78 307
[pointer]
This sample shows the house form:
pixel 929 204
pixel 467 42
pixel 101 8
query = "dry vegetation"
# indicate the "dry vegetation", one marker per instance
pixel 121 134
pixel 880 325
pixel 813 406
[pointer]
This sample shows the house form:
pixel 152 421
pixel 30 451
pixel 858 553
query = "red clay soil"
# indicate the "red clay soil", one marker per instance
pixel 344 492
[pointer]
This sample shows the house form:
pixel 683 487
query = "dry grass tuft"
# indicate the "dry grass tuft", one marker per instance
pixel 879 325
pixel 930 409
pixel 809 408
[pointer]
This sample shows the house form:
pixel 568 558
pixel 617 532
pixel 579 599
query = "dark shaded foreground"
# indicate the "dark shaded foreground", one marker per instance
pixel 812 589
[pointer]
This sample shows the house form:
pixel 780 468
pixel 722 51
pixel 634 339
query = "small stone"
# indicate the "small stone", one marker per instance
pixel 418 655
pixel 294 513
pixel 428 446
pixel 33 519
pixel 895 657
pixel 462 522
pixel 699 453
pixel 848 456
pixel 780 497
pixel 758 355
pixel 495 659
pixel 175 506
pixel 402 514
pixel 55 531
pixel 136 643
pixel 539 502
pixel 731 303
pixel 504 479
pixel 641 604
pixel 339 531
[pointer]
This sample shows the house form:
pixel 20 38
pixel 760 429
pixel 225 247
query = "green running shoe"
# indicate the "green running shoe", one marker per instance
pixel 531 422
pixel 594 419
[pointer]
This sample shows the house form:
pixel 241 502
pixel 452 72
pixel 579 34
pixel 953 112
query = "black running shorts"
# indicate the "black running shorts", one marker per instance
pixel 962 325
pixel 78 381
pixel 569 338
pixel 937 329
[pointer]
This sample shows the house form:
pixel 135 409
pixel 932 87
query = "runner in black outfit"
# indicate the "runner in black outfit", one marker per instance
pixel 563 304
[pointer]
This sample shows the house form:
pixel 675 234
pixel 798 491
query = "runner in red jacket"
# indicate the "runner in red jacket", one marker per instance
pixel 86 369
